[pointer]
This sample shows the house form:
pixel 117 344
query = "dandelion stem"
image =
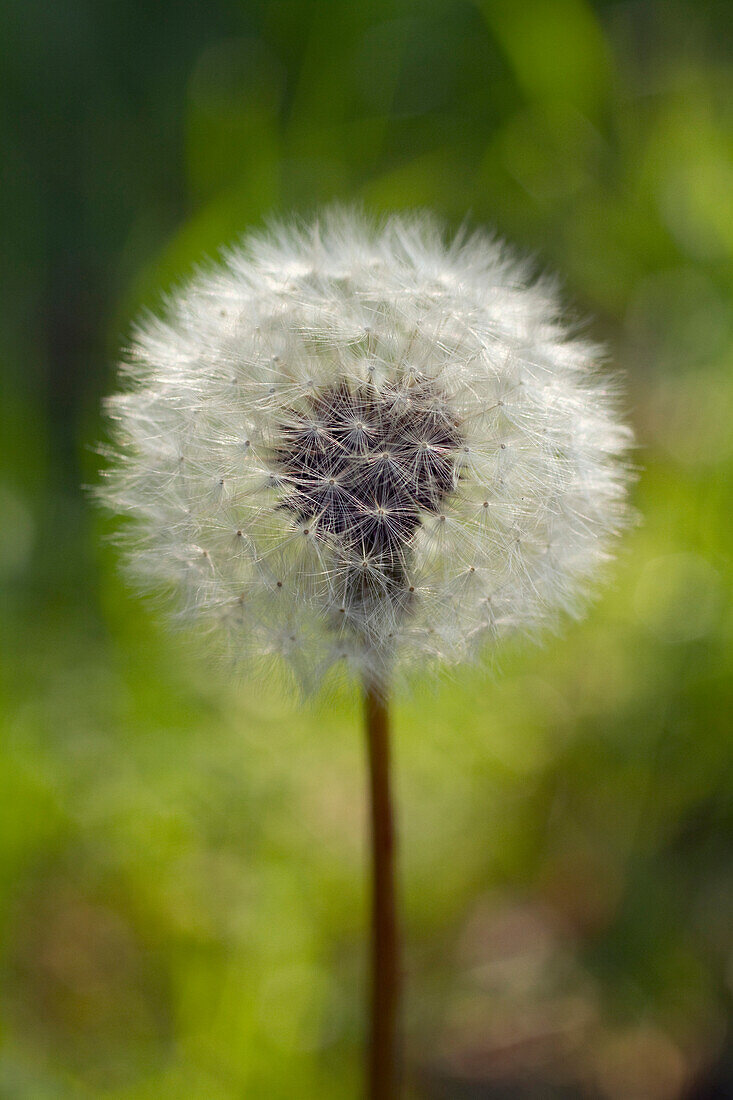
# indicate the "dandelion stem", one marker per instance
pixel 382 1070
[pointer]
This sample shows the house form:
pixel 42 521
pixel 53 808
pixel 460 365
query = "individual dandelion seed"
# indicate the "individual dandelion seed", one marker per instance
pixel 358 443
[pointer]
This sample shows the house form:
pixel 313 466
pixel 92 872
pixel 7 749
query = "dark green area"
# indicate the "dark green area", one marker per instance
pixel 182 908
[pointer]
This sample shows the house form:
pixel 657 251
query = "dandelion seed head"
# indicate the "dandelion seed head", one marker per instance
pixel 360 442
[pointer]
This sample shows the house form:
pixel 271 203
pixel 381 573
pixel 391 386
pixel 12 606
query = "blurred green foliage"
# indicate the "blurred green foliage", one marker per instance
pixel 182 904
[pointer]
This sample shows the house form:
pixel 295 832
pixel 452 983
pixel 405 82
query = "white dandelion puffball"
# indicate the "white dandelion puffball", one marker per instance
pixel 356 442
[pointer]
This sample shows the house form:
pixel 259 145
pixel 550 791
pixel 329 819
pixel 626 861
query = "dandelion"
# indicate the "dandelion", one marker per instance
pixel 361 445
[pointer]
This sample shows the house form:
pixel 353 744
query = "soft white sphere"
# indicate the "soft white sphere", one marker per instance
pixel 357 441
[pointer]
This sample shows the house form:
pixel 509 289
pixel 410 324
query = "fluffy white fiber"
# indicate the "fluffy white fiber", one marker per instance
pixel 357 441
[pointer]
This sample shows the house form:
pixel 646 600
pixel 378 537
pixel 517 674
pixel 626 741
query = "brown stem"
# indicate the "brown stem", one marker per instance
pixel 382 1079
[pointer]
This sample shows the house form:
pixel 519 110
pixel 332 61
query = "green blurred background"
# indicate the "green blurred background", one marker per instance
pixel 182 896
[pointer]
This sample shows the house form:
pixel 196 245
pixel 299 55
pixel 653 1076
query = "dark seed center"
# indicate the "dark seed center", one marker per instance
pixel 360 464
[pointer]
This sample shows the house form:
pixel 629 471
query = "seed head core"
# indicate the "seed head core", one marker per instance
pixel 379 505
